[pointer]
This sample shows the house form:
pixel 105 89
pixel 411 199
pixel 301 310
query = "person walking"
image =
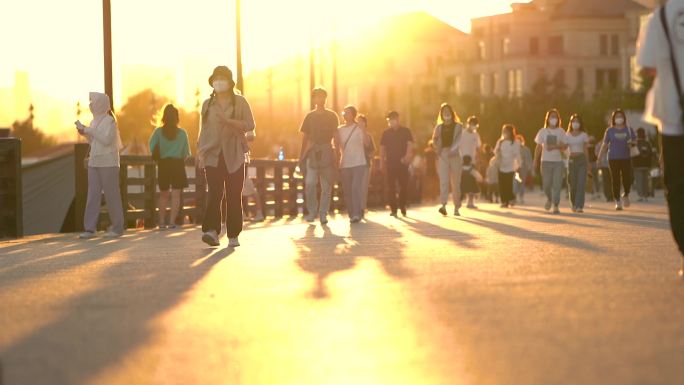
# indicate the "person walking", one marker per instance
pixel 318 157
pixel 483 163
pixel 578 167
pixel 642 165
pixel 593 167
pixel 604 171
pixel 551 143
pixel 470 140
pixel 507 151
pixel 470 179
pixel 103 168
pixel 169 147
pixel 446 139
pixel 492 179
pixel 525 171
pixel 352 140
pixel 661 57
pixel 396 153
pixel 222 151
pixel 617 141
pixel 369 152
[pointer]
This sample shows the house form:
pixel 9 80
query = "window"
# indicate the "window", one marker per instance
pixel 496 83
pixel 518 83
pixel 607 79
pixel 511 83
pixel 505 46
pixel 534 46
pixel 482 51
pixel 615 45
pixel 603 45
pixel 556 45
pixel 483 83
pixel 580 79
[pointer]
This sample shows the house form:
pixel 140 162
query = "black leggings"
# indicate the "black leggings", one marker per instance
pixel 621 170
pixel 219 181
pixel 506 187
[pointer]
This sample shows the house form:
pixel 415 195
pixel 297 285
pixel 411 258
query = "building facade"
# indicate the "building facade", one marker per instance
pixel 572 46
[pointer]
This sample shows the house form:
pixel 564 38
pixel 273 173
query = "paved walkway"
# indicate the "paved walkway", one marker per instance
pixel 496 297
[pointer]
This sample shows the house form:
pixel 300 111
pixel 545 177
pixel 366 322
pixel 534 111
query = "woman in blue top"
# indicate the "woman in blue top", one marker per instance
pixel 617 141
pixel 173 150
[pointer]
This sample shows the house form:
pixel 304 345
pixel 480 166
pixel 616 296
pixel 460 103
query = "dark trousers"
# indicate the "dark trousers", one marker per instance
pixel 621 171
pixel 673 158
pixel 397 175
pixel 607 183
pixel 506 187
pixel 228 186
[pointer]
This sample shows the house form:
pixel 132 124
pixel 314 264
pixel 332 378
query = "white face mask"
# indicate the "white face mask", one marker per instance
pixel 619 121
pixel 553 122
pixel 473 127
pixel 221 85
pixel 447 117
pixel 576 126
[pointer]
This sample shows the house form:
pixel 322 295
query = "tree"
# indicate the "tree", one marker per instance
pixel 139 116
pixel 32 138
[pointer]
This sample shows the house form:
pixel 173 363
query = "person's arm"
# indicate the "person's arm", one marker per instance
pixel 383 158
pixel 303 150
pixel 105 132
pixel 186 145
pixel 337 143
pixel 604 147
pixel 537 155
pixel 409 153
pixel 154 139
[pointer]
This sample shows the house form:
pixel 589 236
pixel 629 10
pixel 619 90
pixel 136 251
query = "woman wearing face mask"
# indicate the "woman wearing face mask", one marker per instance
pixel 103 168
pixel 578 142
pixel 446 141
pixel 508 152
pixel 352 139
pixel 221 150
pixel 617 142
pixel 551 142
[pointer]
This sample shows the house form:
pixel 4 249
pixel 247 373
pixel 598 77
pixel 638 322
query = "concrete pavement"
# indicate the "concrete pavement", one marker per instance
pixel 513 296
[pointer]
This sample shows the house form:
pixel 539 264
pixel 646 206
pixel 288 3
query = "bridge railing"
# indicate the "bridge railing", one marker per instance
pixel 281 190
pixel 11 208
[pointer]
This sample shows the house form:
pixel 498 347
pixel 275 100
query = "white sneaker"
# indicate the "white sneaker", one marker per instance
pixel 259 217
pixel 233 242
pixel 556 210
pixel 625 201
pixel 87 235
pixel 210 238
pixel 618 206
pixel 112 234
pixel 548 205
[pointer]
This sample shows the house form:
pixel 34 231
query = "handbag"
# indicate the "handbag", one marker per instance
pixel 633 149
pixel 673 60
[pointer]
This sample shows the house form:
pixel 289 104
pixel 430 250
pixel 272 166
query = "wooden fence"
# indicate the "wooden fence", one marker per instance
pixel 11 209
pixel 281 191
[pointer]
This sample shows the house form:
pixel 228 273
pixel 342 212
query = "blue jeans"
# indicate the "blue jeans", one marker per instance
pixel 577 180
pixel 552 180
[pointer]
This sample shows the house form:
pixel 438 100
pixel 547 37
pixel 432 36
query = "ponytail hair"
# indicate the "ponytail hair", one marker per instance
pixel 170 120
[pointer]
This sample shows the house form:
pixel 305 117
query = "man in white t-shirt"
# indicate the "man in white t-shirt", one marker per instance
pixel 470 140
pixel 663 106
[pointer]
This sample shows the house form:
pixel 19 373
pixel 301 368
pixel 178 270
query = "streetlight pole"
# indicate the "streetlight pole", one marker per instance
pixel 107 37
pixel 238 16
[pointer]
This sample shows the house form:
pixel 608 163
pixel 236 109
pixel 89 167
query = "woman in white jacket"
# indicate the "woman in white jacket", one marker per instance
pixel 446 140
pixel 103 168
pixel 508 153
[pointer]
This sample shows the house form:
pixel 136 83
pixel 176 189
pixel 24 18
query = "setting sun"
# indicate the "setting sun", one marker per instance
pixel 171 47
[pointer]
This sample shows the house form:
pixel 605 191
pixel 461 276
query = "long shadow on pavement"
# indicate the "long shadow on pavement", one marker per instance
pixel 332 253
pixel 98 328
pixel 519 232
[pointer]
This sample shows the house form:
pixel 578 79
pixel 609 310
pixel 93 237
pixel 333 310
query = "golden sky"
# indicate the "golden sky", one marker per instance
pixel 59 43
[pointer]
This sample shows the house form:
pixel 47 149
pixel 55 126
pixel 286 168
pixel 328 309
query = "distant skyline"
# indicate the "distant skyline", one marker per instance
pixel 62 52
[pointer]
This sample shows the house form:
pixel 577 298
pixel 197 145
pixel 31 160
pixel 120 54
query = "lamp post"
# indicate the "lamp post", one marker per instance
pixel 107 37
pixel 240 84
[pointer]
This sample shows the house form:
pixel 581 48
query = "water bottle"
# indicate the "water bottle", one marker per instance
pixel 281 153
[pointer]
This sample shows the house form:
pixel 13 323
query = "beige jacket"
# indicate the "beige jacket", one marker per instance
pixel 217 137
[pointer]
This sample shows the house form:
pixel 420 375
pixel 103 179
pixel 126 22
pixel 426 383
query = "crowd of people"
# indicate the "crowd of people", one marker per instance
pixel 456 161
